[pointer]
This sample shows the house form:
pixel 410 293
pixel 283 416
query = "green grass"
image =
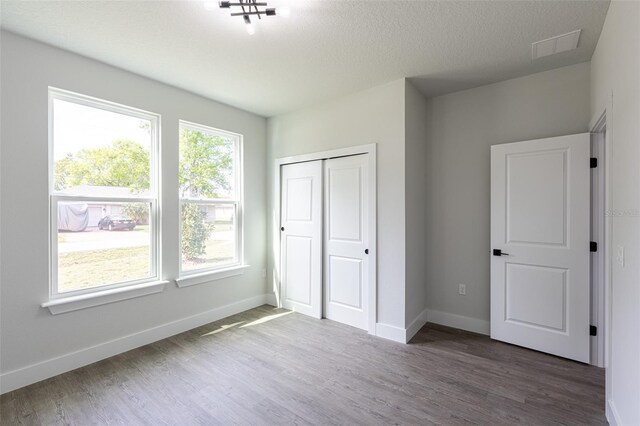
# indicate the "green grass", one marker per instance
pixel 85 269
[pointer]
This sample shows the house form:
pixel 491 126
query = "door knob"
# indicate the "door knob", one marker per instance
pixel 498 252
pixel 366 251
pixel 282 229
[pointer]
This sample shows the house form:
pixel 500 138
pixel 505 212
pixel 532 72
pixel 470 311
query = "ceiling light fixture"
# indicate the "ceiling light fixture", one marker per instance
pixel 250 28
pixel 249 8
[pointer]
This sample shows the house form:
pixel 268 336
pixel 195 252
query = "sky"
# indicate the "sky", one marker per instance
pixel 76 127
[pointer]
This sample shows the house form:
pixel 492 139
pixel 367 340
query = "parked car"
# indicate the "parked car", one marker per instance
pixel 115 222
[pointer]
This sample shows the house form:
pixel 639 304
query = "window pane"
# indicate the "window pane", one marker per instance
pixel 99 153
pixel 208 235
pixel 102 243
pixel 206 165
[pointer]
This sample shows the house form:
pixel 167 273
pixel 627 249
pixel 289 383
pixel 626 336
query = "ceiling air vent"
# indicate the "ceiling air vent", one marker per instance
pixel 553 45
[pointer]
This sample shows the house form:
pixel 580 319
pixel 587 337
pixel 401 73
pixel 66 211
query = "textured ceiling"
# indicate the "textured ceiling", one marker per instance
pixel 325 49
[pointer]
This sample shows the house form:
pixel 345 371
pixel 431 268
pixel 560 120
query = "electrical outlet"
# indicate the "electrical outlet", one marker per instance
pixel 462 289
pixel 264 273
pixel 620 256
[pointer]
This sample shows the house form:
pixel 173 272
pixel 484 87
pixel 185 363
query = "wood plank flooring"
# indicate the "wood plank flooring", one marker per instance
pixel 270 366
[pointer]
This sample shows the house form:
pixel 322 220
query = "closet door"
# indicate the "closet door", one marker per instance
pixel 346 238
pixel 301 237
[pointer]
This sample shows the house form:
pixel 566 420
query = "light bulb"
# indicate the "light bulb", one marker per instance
pixel 251 29
pixel 285 12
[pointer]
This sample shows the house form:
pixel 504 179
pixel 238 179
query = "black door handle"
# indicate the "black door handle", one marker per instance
pixel 366 251
pixel 282 229
pixel 498 252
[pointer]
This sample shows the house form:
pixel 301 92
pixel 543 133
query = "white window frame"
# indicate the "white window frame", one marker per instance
pixel 153 199
pixel 232 268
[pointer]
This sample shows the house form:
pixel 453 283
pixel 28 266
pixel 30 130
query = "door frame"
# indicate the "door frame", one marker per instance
pixel 602 123
pixel 599 232
pixel 373 252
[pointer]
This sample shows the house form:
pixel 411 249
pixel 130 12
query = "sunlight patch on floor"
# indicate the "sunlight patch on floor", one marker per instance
pixel 222 328
pixel 265 319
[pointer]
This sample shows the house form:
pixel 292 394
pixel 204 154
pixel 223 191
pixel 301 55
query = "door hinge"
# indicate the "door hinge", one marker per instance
pixel 593 246
pixel 593 163
pixel 593 330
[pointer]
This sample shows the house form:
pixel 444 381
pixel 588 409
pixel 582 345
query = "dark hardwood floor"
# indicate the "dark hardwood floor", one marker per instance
pixel 270 366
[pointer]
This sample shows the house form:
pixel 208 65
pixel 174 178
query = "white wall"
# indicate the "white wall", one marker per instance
pixel 615 74
pixel 372 116
pixel 30 334
pixel 461 127
pixel 416 135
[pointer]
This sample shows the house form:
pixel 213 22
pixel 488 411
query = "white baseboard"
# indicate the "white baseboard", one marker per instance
pixel 415 326
pixel 391 332
pixel 271 299
pixel 458 321
pixel 34 373
pixel 612 414
pixel 399 334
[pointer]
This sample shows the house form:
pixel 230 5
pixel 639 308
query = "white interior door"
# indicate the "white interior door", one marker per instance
pixel 540 214
pixel 346 237
pixel 301 237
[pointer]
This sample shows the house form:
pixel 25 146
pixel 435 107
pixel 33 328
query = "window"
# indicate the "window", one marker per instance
pixel 103 194
pixel 210 193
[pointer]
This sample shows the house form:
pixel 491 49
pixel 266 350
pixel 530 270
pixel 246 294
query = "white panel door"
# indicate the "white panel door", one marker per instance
pixel 540 215
pixel 301 237
pixel 346 236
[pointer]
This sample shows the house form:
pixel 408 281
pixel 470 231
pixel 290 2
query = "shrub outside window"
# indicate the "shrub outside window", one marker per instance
pixel 210 194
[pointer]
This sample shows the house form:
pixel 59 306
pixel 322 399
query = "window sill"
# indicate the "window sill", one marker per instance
pixel 189 280
pixel 74 303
